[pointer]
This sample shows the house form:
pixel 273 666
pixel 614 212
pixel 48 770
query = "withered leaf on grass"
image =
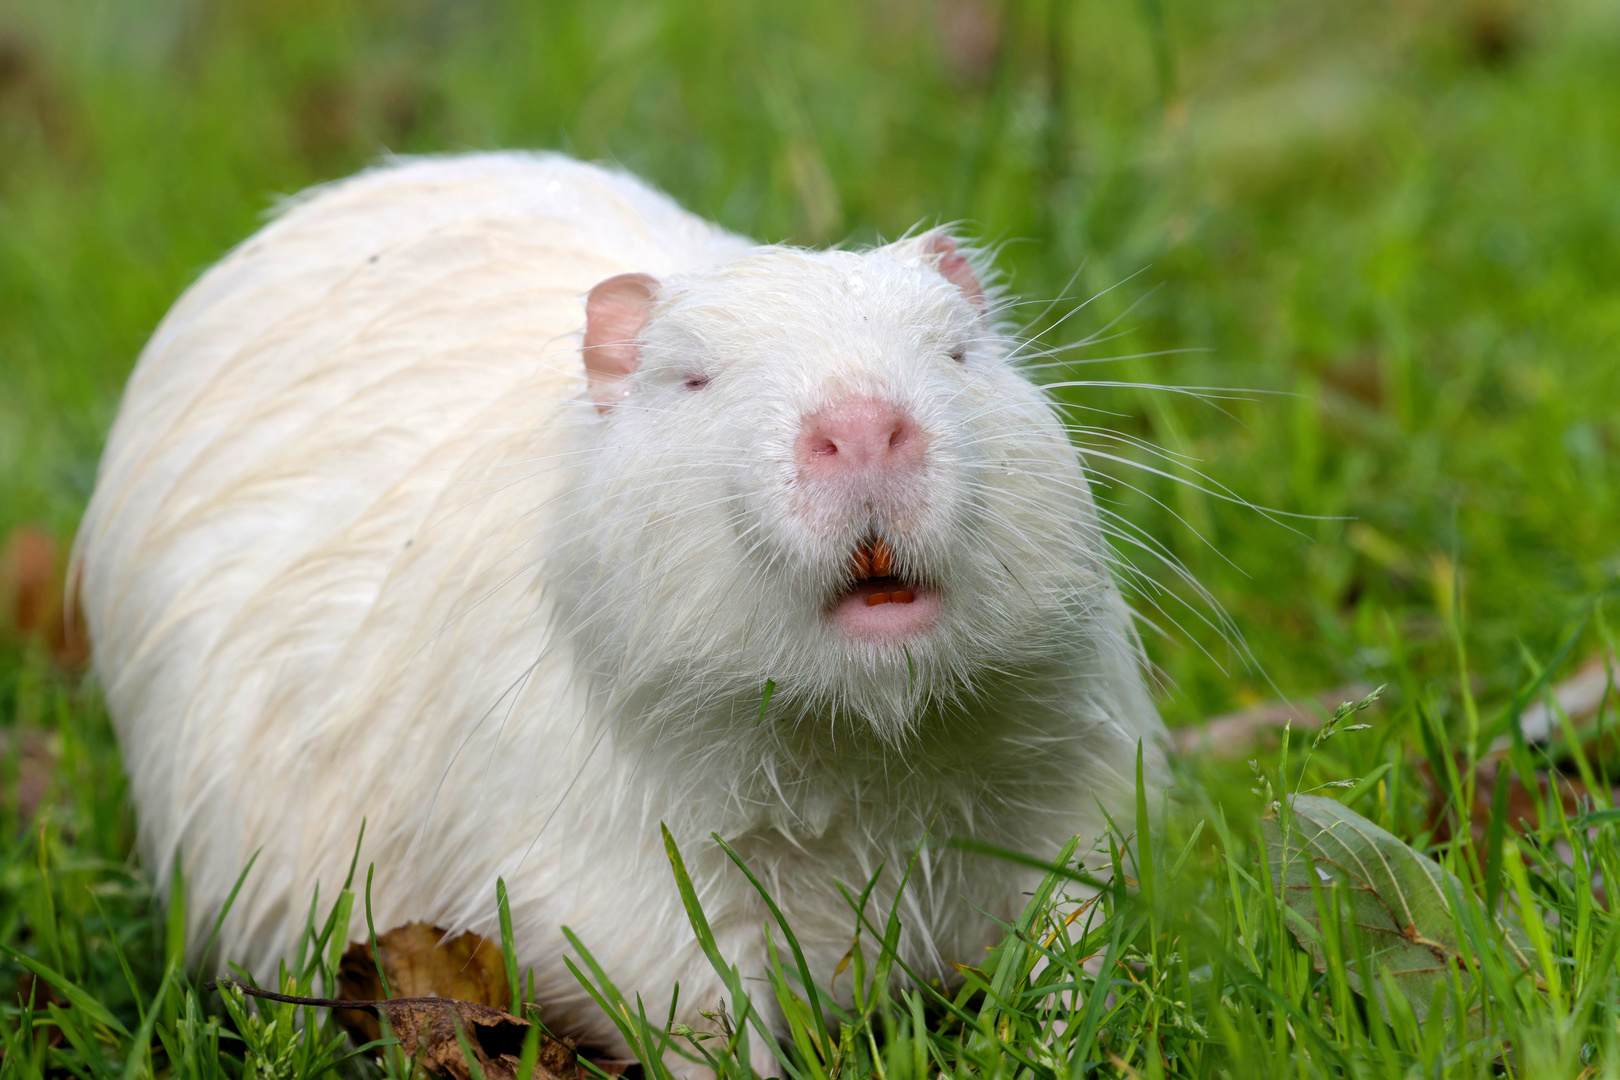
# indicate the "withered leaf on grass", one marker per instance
pixel 495 1038
pixel 32 592
pixel 40 995
pixel 426 1029
pixel 421 961
pixel 28 578
pixel 1399 901
pixel 1524 804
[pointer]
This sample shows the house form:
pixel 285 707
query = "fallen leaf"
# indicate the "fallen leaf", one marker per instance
pixel 420 960
pixel 495 1038
pixel 35 990
pixel 1400 901
pixel 27 574
pixel 32 595
pixel 427 1027
pixel 1523 804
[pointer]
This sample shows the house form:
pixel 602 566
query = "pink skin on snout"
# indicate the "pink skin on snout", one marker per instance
pixel 861 452
pixel 859 440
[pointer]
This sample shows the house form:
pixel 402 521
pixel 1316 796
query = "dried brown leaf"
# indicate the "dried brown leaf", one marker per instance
pixel 27 573
pixel 421 961
pixel 1523 804
pixel 427 1027
pixel 31 595
pixel 35 991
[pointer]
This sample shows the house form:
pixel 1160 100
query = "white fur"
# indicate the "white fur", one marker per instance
pixel 362 547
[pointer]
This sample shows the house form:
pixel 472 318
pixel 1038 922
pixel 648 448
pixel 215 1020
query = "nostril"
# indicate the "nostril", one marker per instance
pixel 860 433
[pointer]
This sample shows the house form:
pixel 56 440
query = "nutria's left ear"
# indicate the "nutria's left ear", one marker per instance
pixel 937 246
pixel 615 312
pixel 955 266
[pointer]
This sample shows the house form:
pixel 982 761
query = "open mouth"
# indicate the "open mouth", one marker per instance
pixel 880 604
pixel 873 566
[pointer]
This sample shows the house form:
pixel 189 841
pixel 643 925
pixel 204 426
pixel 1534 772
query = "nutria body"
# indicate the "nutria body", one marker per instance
pixel 480 497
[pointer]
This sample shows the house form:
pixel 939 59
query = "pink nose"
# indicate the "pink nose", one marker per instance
pixel 860 434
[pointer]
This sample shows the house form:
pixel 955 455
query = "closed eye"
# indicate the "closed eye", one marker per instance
pixel 959 355
pixel 696 382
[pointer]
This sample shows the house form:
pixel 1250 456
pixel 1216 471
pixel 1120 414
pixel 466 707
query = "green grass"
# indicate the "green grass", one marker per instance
pixel 1398 223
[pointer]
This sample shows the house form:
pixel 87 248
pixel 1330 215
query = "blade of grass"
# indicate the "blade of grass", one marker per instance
pixel 805 979
pixel 509 948
pixel 80 999
pixel 728 975
pixel 140 1051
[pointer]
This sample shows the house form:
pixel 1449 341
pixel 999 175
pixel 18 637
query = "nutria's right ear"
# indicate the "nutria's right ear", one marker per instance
pixel 615 312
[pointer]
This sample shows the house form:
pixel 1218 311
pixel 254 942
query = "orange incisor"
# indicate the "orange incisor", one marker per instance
pixel 882 560
pixel 876 561
pixel 860 563
pixel 872 560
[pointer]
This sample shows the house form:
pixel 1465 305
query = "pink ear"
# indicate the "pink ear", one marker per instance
pixel 615 312
pixel 955 266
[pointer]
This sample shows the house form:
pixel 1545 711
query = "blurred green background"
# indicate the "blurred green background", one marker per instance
pixel 1398 223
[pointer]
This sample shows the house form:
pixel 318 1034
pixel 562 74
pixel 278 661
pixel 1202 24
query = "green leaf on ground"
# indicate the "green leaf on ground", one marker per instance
pixel 1399 903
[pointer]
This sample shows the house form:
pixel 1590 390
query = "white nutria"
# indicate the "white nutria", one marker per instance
pixel 481 496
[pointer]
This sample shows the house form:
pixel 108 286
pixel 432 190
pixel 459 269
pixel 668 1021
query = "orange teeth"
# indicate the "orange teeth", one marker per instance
pixel 882 560
pixel 873 560
pixel 860 564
